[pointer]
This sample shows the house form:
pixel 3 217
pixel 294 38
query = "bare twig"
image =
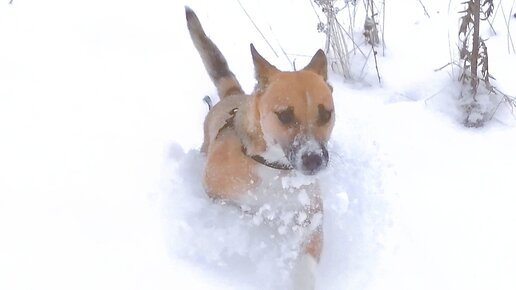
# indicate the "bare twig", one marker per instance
pixel 352 39
pixel 446 65
pixel 497 9
pixel 434 95
pixel 376 66
pixel 339 46
pixel 372 42
pixel 383 28
pixel 365 64
pixel 510 101
pixel 352 25
pixel 258 29
pixel 281 47
pixel 315 11
pixel 491 25
pixel 509 35
pixel 476 46
pixel 424 8
pixel 507 21
pixel 336 36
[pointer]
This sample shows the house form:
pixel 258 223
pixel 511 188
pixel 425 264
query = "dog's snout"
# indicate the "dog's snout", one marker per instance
pixel 312 162
pixel 309 157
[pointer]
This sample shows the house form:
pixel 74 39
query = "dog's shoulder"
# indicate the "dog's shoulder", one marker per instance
pixel 222 114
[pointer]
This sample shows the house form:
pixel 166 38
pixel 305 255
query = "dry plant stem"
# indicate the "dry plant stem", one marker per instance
pixel 509 100
pixel 376 66
pixel 315 11
pixel 336 37
pixel 424 8
pixel 339 46
pixel 446 65
pixel 493 17
pixel 365 64
pixel 491 25
pixel 450 50
pixel 383 28
pixel 510 43
pixel 258 29
pixel 352 39
pixel 351 26
pixel 281 47
pixel 496 10
pixel 336 40
pixel 371 4
pixel 476 46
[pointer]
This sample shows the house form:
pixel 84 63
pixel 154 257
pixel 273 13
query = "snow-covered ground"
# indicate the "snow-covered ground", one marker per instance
pixel 101 124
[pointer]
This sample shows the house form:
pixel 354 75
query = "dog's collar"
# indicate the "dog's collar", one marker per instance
pixel 258 158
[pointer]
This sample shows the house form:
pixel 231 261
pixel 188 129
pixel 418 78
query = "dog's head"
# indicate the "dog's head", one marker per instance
pixel 295 111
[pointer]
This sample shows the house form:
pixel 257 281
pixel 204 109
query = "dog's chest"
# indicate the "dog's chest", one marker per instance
pixel 280 194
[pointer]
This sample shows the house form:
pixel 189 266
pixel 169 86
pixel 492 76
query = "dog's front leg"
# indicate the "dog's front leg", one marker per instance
pixel 306 265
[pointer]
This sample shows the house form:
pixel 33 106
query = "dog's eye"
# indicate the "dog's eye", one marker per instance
pixel 286 117
pixel 324 115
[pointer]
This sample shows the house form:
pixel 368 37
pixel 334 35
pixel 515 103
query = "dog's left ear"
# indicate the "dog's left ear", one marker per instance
pixel 319 64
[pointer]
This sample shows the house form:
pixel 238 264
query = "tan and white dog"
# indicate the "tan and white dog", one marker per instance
pixel 257 144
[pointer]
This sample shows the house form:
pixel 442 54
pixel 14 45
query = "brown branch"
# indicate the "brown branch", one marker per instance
pixel 476 46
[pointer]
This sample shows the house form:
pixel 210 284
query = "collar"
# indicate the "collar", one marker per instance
pixel 258 158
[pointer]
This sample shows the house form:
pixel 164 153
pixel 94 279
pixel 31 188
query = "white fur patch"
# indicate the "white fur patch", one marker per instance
pixel 274 153
pixel 308 100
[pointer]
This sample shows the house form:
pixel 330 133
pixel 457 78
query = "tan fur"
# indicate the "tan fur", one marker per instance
pixel 314 245
pixel 291 89
pixel 212 58
pixel 256 126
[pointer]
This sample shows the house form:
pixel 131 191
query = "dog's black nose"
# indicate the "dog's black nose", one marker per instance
pixel 312 162
pixel 308 156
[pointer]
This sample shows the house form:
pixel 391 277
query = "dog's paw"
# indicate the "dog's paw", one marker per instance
pixel 303 274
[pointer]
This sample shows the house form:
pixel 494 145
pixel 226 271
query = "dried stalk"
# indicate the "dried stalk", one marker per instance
pixel 258 29
pixel 374 39
pixel 424 8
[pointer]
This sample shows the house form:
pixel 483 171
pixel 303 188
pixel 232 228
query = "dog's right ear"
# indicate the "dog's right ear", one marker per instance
pixel 319 64
pixel 263 69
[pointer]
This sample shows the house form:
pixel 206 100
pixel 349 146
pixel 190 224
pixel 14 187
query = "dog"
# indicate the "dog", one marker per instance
pixel 257 145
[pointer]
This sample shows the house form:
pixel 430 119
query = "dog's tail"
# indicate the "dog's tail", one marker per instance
pixel 214 62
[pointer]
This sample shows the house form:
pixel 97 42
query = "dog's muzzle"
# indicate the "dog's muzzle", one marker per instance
pixel 308 155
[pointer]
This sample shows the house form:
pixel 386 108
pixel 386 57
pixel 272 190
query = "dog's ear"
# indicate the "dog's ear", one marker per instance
pixel 319 64
pixel 263 69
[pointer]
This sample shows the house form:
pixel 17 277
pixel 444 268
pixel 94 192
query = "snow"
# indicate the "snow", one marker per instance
pixel 101 117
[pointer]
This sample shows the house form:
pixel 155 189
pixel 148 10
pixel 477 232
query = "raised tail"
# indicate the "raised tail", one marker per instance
pixel 214 62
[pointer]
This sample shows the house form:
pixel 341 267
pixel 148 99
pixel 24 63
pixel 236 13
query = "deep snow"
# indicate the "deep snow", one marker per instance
pixel 101 119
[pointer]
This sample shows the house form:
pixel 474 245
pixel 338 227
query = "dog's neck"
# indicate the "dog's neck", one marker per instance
pixel 248 128
pixel 254 145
